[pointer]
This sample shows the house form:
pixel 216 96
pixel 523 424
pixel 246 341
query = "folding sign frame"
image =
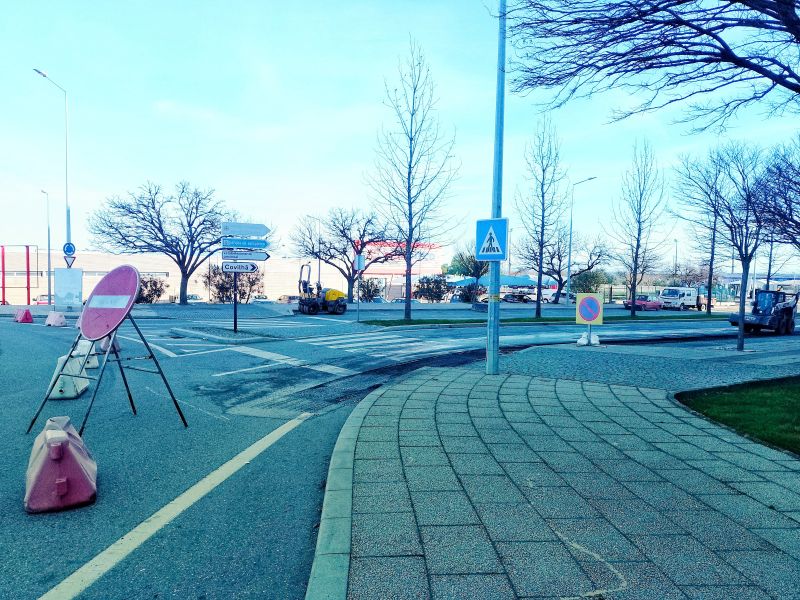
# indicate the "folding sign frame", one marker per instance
pixel 106 309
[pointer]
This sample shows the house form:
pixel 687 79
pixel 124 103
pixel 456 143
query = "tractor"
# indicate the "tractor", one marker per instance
pixel 774 310
pixel 314 299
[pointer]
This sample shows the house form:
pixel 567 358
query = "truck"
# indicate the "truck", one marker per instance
pixel 681 298
pixel 773 310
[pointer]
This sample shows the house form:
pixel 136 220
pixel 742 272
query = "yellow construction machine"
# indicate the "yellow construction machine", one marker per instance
pixel 315 299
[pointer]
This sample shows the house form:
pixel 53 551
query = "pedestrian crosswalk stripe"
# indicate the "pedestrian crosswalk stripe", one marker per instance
pixel 336 339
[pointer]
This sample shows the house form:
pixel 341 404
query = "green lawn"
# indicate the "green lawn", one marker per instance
pixel 769 411
pixel 570 319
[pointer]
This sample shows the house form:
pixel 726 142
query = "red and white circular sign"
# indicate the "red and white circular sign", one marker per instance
pixel 110 302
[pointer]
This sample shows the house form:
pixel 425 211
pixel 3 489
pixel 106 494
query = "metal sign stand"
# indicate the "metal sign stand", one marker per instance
pixel 110 349
pixel 235 302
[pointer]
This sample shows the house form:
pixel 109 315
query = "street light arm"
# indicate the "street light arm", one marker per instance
pixel 46 76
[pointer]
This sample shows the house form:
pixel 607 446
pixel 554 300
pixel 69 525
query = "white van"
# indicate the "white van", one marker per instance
pixel 680 298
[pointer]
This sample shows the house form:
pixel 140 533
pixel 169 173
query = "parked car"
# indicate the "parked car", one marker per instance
pixel 260 298
pixel 644 302
pixel 286 299
pixel 680 298
pixel 402 301
pixel 550 296
pixel 41 299
pixel 193 298
pixel 518 297
pixel 379 300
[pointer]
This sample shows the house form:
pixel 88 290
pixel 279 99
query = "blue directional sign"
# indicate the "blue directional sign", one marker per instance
pixel 69 249
pixel 245 243
pixel 491 239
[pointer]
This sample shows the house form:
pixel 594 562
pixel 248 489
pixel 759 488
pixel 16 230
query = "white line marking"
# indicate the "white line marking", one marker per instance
pixel 364 344
pixel 288 360
pixel 225 349
pixel 350 338
pixel 101 564
pixel 247 369
pixel 152 345
pixel 331 319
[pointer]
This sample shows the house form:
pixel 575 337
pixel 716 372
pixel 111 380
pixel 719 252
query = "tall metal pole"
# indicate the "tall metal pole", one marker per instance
pixel 569 252
pixel 66 152
pixel 49 270
pixel 493 323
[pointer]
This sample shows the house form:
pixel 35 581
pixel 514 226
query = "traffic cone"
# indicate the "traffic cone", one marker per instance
pixel 83 348
pixel 61 471
pixel 55 319
pixel 68 385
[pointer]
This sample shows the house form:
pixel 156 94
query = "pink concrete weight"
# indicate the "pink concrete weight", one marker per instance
pixel 61 471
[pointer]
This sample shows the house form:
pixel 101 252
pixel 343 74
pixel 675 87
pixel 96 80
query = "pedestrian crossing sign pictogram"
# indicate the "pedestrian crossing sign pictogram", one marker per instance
pixel 491 239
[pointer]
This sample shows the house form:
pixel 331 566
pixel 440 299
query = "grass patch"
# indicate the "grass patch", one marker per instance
pixel 565 320
pixel 768 411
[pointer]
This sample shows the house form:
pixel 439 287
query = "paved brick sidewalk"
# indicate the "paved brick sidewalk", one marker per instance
pixel 453 484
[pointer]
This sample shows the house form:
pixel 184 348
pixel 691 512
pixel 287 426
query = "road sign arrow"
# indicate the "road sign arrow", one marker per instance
pixel 245 229
pixel 239 267
pixel 245 243
pixel 244 255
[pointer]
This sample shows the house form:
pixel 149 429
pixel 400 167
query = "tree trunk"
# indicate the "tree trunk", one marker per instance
pixel 407 308
pixel 633 287
pixel 742 305
pixel 184 285
pixel 710 282
pixel 350 285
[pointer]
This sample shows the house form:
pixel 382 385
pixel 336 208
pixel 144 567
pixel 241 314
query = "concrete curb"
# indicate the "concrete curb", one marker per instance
pixel 545 324
pixel 330 571
pixel 200 335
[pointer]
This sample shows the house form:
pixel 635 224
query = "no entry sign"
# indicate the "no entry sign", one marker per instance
pixel 589 309
pixel 110 302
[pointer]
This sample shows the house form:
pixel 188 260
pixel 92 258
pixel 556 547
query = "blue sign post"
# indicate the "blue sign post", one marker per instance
pixel 491 240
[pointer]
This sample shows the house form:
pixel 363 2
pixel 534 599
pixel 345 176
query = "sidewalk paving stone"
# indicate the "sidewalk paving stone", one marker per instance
pixel 471 486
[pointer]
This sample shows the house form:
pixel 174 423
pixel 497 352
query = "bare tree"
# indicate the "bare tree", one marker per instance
pixel 782 203
pixel 742 191
pixel 184 226
pixel 587 256
pixel 697 188
pixel 671 50
pixel 541 209
pixel 636 217
pixel 337 238
pixel 414 166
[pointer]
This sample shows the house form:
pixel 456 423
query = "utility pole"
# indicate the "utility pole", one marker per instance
pixel 493 321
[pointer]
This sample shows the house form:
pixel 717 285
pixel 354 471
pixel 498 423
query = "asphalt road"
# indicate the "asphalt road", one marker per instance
pixel 253 533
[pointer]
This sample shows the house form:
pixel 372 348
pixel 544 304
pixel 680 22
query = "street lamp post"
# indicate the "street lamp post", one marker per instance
pixel 569 252
pixel 49 271
pixel 493 318
pixel 675 269
pixel 66 152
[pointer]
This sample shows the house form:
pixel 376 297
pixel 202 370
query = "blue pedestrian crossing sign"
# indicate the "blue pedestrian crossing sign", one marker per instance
pixel 491 239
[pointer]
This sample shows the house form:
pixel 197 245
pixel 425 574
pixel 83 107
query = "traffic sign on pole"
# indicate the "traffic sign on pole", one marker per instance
pixel 69 259
pixel 244 255
pixel 491 238
pixel 69 249
pixel 244 229
pixel 239 267
pixel 245 243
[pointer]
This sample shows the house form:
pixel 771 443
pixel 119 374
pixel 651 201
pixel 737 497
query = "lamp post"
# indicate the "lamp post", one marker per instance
pixel 569 252
pixel 49 287
pixel 66 152
pixel 493 320
pixel 675 269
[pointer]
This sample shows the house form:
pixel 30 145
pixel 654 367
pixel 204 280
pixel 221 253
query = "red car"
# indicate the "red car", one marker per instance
pixel 644 302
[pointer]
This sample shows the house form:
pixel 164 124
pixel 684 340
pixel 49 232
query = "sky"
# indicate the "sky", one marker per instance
pixel 277 106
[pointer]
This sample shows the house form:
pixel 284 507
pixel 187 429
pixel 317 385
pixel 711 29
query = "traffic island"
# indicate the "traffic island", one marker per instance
pixel 220 335
pixel 461 484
